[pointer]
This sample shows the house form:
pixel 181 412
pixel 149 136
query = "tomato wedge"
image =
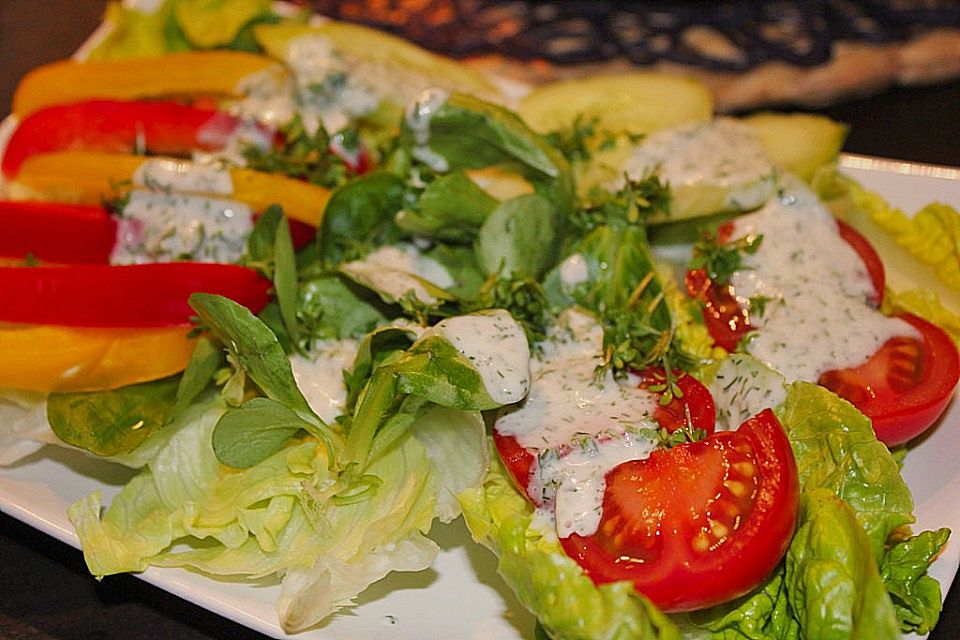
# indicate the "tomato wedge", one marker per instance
pixel 870 257
pixel 693 406
pixel 725 319
pixel 905 386
pixel 118 126
pixel 142 295
pixel 699 524
pixel 53 232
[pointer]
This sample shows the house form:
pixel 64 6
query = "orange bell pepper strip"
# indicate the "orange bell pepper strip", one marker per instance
pixel 53 358
pixel 191 73
pixel 86 177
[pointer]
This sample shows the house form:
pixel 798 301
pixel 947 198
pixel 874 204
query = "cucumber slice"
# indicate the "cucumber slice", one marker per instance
pixel 712 168
pixel 384 55
pixel 635 103
pixel 799 142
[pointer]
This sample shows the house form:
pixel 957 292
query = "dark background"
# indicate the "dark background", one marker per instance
pixel 45 589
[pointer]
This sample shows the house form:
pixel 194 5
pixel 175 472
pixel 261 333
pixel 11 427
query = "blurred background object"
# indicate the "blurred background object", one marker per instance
pixel 751 54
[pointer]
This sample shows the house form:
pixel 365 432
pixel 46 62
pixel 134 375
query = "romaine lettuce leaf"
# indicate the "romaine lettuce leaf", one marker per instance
pixel 916 596
pixel 834 588
pixel 836 449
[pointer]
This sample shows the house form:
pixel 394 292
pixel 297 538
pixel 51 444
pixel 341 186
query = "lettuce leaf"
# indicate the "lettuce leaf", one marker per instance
pixel 916 596
pixel 836 449
pixel 921 254
pixel 834 587
pixel 551 585
pixel 279 517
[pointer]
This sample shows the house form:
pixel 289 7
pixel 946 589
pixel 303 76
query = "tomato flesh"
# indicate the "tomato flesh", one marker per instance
pixel 699 524
pixel 725 319
pixel 693 406
pixel 905 386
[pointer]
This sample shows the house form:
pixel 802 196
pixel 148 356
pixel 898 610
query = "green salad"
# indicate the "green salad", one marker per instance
pixel 596 321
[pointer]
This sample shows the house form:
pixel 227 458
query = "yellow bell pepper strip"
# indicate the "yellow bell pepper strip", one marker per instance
pixel 190 73
pixel 86 177
pixel 53 358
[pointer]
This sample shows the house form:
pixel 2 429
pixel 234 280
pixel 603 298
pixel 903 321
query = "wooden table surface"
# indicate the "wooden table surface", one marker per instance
pixel 45 589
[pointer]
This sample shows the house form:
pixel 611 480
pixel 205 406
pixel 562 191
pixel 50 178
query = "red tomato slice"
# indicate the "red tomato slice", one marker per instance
pixel 869 256
pixel 726 320
pixel 905 386
pixel 695 408
pixel 142 295
pixel 699 524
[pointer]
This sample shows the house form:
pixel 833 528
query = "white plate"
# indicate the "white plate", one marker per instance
pixel 462 597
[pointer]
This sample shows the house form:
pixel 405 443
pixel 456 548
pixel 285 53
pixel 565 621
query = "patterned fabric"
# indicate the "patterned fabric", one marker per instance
pixel 723 36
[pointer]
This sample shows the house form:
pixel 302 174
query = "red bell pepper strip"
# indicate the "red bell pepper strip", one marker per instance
pixel 64 233
pixel 75 233
pixel 115 126
pixel 142 295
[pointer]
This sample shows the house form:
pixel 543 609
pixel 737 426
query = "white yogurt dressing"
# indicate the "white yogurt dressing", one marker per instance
pixel 722 153
pixel 248 133
pixel 320 376
pixel 418 118
pixel 397 270
pixel 582 427
pixel 574 271
pixel 157 226
pixel 497 346
pixel 171 174
pixel 817 316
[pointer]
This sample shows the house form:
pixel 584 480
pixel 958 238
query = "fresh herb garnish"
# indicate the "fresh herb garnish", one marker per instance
pixel 633 204
pixel 669 439
pixel 302 155
pixel 524 298
pixel 758 304
pixel 721 260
